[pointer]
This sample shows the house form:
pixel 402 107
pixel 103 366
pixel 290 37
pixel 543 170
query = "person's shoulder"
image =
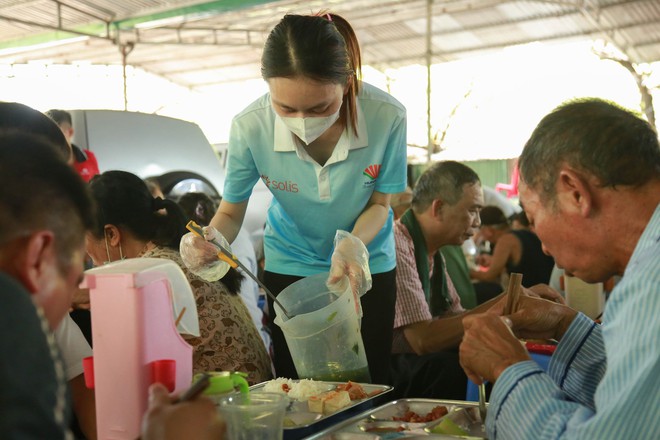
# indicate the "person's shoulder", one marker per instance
pixel 20 316
pixel 165 253
pixel 398 226
pixel 79 154
pixel 518 233
pixel 257 108
pixel 401 233
pixel 527 236
pixel 14 294
pixel 370 94
pixel 645 259
pixel 513 238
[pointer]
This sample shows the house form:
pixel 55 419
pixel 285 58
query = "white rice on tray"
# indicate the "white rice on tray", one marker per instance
pixel 300 390
pixel 275 385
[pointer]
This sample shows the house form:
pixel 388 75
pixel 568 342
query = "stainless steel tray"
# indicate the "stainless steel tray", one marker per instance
pixel 379 424
pixel 298 415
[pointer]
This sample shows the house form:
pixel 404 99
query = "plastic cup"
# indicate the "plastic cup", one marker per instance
pixel 164 371
pixel 255 416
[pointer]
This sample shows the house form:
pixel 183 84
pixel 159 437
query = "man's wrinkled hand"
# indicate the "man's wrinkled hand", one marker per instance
pixel 488 347
pixel 197 419
pixel 546 292
pixel 538 318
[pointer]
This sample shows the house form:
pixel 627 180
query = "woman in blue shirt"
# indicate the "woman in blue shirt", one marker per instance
pixel 331 149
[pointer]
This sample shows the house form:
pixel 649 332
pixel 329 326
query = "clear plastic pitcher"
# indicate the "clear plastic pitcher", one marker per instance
pixel 323 334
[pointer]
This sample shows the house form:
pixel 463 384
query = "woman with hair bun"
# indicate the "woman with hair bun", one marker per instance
pixel 131 223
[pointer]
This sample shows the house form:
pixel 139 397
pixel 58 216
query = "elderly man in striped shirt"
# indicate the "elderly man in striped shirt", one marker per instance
pixel 591 189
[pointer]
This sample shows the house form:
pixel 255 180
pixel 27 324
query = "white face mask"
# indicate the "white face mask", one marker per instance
pixel 309 129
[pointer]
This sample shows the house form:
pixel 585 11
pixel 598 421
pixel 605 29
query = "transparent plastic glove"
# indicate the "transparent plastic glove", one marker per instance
pixel 350 258
pixel 201 257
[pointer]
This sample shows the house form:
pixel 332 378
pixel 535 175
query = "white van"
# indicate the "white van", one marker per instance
pixel 173 151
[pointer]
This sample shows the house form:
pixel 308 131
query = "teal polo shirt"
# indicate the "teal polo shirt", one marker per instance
pixel 311 202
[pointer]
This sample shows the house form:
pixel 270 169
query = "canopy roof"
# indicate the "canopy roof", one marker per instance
pixel 201 44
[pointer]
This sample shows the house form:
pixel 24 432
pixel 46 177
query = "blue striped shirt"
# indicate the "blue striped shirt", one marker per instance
pixel 603 382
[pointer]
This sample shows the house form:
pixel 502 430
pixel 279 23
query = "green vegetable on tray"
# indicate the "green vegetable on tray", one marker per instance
pixel 448 427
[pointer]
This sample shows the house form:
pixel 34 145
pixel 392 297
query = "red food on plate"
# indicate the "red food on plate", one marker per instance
pixel 355 390
pixel 413 417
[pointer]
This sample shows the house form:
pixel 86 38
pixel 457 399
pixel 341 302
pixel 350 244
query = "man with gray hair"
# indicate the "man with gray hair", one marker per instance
pixel 427 324
pixel 590 185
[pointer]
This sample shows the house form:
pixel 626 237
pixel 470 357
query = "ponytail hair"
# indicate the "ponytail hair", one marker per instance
pixel 321 47
pixel 124 200
pixel 353 49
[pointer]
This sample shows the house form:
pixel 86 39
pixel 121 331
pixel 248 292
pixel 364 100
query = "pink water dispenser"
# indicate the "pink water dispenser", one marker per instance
pixel 139 308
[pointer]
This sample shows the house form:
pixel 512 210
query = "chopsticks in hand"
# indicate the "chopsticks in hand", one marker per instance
pixel 196 389
pixel 512 299
pixel 513 292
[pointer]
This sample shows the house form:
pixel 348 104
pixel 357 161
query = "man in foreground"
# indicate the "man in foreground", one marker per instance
pixel 590 185
pixel 45 210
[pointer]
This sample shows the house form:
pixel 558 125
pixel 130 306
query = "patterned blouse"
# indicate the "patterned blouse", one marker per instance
pixel 229 340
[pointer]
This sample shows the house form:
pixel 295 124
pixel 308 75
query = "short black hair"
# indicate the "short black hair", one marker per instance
pixel 23 118
pixel 443 180
pixel 492 216
pixel 123 199
pixel 595 136
pixel 59 116
pixel 41 191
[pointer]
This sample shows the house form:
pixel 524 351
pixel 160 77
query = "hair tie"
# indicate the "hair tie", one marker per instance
pixel 157 204
pixel 325 15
